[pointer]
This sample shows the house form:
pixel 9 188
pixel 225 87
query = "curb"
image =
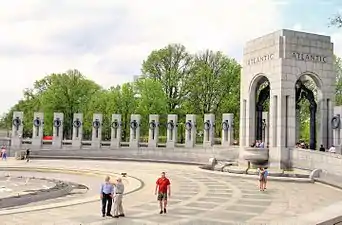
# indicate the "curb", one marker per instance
pixel 117 159
pixel 255 177
pixel 66 171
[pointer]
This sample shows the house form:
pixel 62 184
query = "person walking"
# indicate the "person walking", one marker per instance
pixel 265 177
pixel 106 194
pixel 3 153
pixel 164 190
pixel 119 190
pixel 27 155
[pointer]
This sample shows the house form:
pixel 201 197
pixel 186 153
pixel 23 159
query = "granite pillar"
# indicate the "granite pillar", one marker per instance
pixel 190 131
pixel 153 133
pixel 172 126
pixel 57 137
pixel 134 137
pixel 209 130
pixel 17 130
pixel 96 136
pixel 77 131
pixel 116 131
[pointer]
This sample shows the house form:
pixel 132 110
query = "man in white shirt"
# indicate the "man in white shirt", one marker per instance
pixel 332 149
pixel 118 194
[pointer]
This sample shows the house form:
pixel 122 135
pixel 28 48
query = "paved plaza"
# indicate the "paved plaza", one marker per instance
pixel 198 196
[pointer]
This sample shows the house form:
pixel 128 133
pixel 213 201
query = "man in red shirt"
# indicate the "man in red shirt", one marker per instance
pixel 164 190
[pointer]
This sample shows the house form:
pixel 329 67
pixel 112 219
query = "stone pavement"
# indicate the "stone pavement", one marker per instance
pixel 198 197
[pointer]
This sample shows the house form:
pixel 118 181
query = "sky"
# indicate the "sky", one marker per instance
pixel 107 40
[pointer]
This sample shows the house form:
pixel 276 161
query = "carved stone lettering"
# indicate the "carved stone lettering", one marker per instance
pixel 309 57
pixel 260 59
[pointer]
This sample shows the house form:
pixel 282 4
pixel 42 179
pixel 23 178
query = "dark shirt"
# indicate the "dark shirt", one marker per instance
pixel 322 149
pixel 27 152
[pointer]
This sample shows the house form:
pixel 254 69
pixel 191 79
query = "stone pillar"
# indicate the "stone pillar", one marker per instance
pixel 17 130
pixel 57 139
pixel 209 130
pixel 172 137
pixel 116 129
pixel 227 137
pixel 77 131
pixel 190 131
pixel 297 124
pixel 96 136
pixel 38 130
pixel 330 112
pixel 153 133
pixel 134 131
pixel 265 128
pixel 336 126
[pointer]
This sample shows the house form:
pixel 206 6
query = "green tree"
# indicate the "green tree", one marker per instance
pixel 336 21
pixel 171 66
pixel 214 77
pixel 152 100
pixel 338 66
pixel 128 102
pixel 98 103
pixel 215 85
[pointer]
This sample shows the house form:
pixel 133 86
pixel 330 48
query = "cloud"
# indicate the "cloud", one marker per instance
pixel 108 40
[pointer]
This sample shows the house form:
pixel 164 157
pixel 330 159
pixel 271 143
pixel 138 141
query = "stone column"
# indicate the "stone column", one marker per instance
pixel 116 130
pixel 38 130
pixel 57 139
pixel 172 137
pixel 336 126
pixel 265 128
pixel 330 112
pixel 209 130
pixel 96 136
pixel 243 114
pixel 227 138
pixel 297 124
pixel 17 130
pixel 190 131
pixel 153 134
pixel 77 131
pixel 134 131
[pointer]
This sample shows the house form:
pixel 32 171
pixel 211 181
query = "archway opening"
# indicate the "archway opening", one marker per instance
pixel 262 96
pixel 307 89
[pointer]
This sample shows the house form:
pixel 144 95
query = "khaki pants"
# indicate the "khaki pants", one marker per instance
pixel 118 209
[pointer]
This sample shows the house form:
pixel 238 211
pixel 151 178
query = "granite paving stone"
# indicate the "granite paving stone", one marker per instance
pixel 198 199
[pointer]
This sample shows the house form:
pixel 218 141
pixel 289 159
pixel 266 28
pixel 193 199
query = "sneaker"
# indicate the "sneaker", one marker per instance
pixel 164 210
pixel 116 216
pixel 161 212
pixel 103 215
pixel 122 215
pixel 110 215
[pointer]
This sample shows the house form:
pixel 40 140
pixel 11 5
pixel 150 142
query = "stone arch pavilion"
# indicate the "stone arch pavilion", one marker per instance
pixel 283 57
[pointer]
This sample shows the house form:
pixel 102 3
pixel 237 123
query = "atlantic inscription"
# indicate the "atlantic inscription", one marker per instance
pixel 260 59
pixel 309 57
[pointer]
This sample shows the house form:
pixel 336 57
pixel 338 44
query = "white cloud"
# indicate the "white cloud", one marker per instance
pixel 108 40
pixel 298 27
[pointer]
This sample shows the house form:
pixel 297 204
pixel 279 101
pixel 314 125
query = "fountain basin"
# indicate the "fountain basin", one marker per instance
pixel 257 156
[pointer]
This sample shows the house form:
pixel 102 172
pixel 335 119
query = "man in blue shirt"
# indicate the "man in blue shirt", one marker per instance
pixel 106 194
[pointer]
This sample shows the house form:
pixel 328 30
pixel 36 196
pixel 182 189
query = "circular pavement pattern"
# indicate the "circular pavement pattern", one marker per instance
pixel 198 196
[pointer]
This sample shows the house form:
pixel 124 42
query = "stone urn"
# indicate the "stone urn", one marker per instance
pixel 256 156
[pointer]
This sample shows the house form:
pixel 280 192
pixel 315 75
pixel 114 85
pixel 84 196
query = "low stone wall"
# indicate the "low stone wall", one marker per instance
pixel 331 164
pixel 181 155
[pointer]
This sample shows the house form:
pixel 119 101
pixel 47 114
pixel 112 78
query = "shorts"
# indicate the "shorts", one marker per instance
pixel 162 196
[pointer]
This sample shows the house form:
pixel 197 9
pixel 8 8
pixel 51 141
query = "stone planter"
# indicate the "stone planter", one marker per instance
pixel 256 156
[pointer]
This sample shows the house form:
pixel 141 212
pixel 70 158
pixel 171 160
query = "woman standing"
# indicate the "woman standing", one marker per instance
pixel 3 153
pixel 261 179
